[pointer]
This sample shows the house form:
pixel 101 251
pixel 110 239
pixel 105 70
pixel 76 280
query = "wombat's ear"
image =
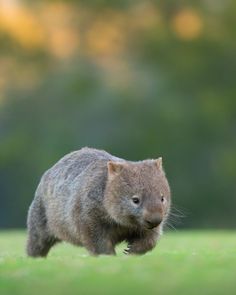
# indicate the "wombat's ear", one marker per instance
pixel 114 168
pixel 159 163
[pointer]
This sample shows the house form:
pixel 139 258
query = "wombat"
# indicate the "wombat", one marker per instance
pixel 93 199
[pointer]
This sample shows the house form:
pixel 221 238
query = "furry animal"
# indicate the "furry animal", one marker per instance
pixel 93 199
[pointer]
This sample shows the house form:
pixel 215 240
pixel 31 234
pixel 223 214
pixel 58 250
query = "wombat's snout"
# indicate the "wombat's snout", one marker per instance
pixel 152 222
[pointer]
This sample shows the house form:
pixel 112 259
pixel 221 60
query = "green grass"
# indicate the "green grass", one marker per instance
pixel 194 262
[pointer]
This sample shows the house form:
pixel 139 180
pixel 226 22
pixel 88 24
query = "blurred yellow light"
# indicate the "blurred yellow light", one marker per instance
pixel 20 24
pixel 187 24
pixel 106 36
pixel 63 42
pixel 59 21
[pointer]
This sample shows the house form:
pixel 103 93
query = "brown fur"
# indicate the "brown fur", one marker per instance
pixel 89 198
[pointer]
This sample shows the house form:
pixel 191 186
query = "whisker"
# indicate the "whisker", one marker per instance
pixel 175 216
pixel 180 212
pixel 170 226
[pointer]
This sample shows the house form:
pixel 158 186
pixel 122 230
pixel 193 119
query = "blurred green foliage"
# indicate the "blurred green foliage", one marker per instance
pixel 140 79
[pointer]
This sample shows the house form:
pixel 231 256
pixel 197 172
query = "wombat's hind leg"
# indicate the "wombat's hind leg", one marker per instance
pixel 39 246
pixel 39 239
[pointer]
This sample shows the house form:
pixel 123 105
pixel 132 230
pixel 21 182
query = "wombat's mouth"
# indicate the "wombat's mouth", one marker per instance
pixel 150 224
pixel 151 227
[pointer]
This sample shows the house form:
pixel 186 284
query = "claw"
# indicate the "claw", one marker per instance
pixel 126 251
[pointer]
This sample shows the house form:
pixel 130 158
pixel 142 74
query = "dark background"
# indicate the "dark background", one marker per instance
pixel 140 79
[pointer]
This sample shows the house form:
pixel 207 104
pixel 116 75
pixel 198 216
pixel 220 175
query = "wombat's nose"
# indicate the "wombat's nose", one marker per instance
pixel 153 222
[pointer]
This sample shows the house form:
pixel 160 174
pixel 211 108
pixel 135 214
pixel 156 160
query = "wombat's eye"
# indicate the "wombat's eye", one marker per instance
pixel 136 200
pixel 162 199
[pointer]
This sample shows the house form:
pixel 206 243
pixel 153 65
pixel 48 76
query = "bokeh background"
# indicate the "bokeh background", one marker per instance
pixel 140 79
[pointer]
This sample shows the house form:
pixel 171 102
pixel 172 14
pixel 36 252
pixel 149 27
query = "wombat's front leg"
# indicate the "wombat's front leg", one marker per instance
pixel 104 247
pixel 143 244
pixel 97 242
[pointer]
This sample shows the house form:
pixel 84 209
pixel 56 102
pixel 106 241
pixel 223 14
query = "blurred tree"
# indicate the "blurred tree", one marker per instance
pixel 139 79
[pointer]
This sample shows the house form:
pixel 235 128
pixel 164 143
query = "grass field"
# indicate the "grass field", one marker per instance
pixel 194 262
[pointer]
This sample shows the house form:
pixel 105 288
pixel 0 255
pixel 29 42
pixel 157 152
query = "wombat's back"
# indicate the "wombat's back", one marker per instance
pixel 74 163
pixel 68 168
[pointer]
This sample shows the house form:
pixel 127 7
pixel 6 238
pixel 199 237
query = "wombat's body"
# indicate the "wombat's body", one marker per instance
pixel 93 199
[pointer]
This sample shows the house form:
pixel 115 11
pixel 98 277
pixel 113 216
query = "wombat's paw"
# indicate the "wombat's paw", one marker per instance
pixel 139 247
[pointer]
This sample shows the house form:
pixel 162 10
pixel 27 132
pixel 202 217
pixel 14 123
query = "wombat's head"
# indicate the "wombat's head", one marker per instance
pixel 137 193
